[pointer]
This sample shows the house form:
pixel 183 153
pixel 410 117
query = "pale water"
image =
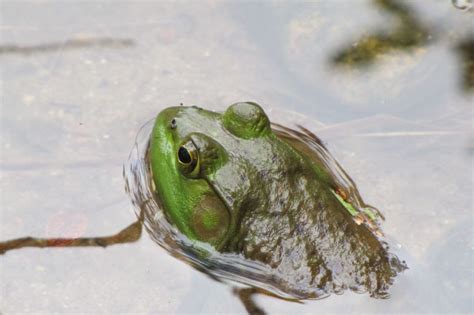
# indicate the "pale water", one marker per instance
pixel 79 80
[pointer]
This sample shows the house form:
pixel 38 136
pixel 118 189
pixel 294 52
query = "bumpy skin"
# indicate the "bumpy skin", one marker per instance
pixel 228 180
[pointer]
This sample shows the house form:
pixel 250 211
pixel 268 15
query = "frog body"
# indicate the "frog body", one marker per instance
pixel 230 181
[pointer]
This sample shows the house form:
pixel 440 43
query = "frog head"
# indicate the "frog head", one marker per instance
pixel 201 167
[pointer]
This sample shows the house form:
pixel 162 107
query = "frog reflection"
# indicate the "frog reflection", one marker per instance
pixel 231 181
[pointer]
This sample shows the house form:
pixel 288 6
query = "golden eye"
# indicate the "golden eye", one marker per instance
pixel 188 158
pixel 184 156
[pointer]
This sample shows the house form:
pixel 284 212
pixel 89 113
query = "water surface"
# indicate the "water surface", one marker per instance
pixel 79 80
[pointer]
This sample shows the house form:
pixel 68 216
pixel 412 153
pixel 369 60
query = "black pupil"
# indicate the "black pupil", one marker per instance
pixel 184 156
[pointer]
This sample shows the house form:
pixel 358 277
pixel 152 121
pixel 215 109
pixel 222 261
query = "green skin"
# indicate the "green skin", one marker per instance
pixel 230 181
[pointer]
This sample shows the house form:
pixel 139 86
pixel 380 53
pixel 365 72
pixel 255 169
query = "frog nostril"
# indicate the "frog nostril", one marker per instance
pixel 173 123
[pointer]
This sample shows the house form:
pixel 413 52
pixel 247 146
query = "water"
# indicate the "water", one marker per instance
pixel 401 127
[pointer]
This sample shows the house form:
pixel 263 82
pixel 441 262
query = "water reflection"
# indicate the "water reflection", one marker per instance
pixel 70 44
pixel 407 34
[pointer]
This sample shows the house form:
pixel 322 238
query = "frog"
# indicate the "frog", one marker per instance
pixel 258 194
pixel 231 181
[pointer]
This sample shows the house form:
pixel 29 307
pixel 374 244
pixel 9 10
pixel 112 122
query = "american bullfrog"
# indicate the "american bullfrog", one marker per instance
pixel 229 180
pixel 243 199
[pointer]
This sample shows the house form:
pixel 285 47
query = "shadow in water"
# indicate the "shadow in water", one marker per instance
pixel 407 33
pixel 70 44
pixel 465 51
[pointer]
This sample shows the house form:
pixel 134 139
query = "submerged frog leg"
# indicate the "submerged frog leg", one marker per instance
pixel 128 235
pixel 245 296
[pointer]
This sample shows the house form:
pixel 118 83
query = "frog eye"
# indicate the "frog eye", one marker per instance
pixel 173 124
pixel 184 156
pixel 188 159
